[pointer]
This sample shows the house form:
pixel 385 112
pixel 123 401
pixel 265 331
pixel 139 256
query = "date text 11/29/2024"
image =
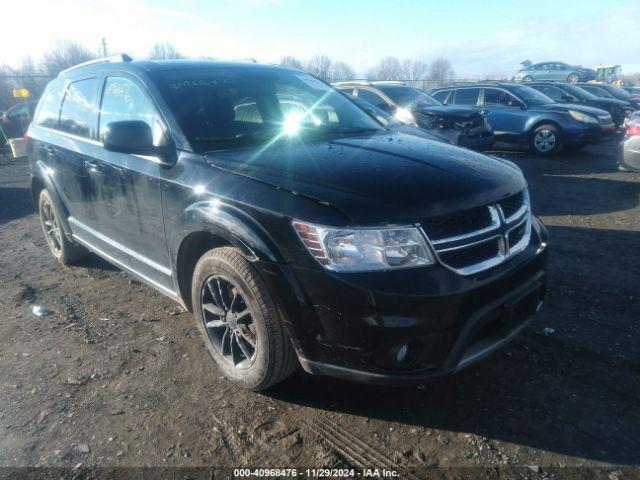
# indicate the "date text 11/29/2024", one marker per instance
pixel 315 473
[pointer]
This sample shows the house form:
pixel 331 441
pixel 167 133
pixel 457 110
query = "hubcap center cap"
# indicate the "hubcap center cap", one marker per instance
pixel 231 320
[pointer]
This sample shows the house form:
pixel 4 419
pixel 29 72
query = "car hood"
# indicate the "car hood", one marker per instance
pixel 565 107
pixel 386 178
pixel 458 113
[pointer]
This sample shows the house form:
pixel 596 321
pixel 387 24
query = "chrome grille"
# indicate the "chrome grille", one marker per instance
pixel 477 239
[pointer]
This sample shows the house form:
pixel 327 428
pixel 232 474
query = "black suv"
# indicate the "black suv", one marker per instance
pixel 295 227
pixel 569 93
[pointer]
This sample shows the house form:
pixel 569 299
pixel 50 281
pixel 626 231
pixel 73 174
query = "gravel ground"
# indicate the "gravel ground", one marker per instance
pixel 117 376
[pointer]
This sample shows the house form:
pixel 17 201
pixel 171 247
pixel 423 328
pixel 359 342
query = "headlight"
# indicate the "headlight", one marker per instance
pixel 365 249
pixel 582 117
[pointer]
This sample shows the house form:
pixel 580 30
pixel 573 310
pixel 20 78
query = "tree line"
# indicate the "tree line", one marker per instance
pixel 34 75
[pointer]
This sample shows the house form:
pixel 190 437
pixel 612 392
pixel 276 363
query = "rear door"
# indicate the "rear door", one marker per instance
pixel 72 147
pixel 129 202
pixel 504 113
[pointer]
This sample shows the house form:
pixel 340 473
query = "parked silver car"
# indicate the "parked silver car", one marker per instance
pixel 558 71
pixel 629 154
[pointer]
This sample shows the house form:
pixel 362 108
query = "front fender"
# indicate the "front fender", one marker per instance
pixel 227 222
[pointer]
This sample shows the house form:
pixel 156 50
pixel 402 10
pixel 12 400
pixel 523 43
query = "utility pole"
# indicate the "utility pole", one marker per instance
pixel 104 47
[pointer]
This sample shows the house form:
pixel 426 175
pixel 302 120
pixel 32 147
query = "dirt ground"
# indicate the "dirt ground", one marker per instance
pixel 118 376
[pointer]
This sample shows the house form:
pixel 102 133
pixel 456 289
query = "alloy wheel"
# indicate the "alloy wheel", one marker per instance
pixel 545 141
pixel 51 228
pixel 228 322
pixel 573 78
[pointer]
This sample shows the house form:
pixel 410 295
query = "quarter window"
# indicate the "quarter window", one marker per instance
pixel 466 96
pixel 49 110
pixel 123 100
pixel 76 115
pixel 441 96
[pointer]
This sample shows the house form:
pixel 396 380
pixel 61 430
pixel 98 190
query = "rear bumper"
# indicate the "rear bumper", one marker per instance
pixel 351 325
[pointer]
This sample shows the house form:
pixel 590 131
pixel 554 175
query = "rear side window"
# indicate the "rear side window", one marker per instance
pixel 123 100
pixel 466 96
pixel 49 110
pixel 550 91
pixel 77 113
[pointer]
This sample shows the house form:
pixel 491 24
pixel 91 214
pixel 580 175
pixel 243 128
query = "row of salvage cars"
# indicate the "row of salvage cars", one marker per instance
pixel 547 116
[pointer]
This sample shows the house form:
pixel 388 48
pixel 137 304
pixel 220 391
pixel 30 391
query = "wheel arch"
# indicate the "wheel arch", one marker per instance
pixel 41 178
pixel 212 224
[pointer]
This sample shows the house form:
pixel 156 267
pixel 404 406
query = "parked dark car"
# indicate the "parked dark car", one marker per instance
pixel 629 154
pixel 634 91
pixel 396 125
pixel 466 127
pixel 15 121
pixel 556 71
pixel 520 114
pixel 568 93
pixel 603 90
pixel 295 227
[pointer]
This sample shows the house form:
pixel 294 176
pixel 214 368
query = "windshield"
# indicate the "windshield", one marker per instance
pixel 530 95
pixel 578 92
pixel 230 108
pixel 405 97
pixel 380 115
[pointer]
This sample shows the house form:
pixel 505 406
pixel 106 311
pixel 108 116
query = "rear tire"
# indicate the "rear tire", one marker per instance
pixel 546 140
pixel 573 78
pixel 242 328
pixel 62 249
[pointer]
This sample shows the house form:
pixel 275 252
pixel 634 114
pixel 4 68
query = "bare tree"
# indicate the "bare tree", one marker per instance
pixel 164 51
pixel 342 71
pixel 320 66
pixel 440 70
pixel 65 54
pixel 389 68
pixel 414 71
pixel 292 62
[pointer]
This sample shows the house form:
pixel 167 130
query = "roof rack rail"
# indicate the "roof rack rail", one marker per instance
pixel 121 57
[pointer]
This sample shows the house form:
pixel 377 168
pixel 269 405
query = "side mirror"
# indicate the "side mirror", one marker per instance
pixel 135 138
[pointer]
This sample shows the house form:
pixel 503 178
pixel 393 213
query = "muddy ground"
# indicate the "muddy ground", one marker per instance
pixel 118 375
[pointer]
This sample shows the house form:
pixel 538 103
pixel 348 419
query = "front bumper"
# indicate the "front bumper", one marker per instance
pixel 590 133
pixel 351 325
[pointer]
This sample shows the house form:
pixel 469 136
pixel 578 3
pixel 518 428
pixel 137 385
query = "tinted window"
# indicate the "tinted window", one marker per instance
pixel 440 96
pixel 550 91
pixel 598 92
pixel 372 98
pixel 76 115
pixel 229 108
pixel 405 96
pixel 500 98
pixel 49 109
pixel 123 100
pixel 529 95
pixel 466 96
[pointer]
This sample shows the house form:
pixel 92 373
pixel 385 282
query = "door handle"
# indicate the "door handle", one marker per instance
pixel 93 167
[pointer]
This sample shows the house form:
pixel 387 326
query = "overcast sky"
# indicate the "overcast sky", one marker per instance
pixel 479 37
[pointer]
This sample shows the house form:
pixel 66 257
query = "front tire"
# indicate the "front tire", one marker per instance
pixel 546 140
pixel 62 249
pixel 527 79
pixel 238 318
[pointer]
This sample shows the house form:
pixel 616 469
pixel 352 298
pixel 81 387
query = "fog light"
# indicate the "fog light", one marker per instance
pixel 401 353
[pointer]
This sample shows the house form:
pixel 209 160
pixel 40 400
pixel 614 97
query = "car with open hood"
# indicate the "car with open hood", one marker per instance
pixel 521 114
pixel 561 92
pixel 465 127
pixel 557 71
pixel 297 229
